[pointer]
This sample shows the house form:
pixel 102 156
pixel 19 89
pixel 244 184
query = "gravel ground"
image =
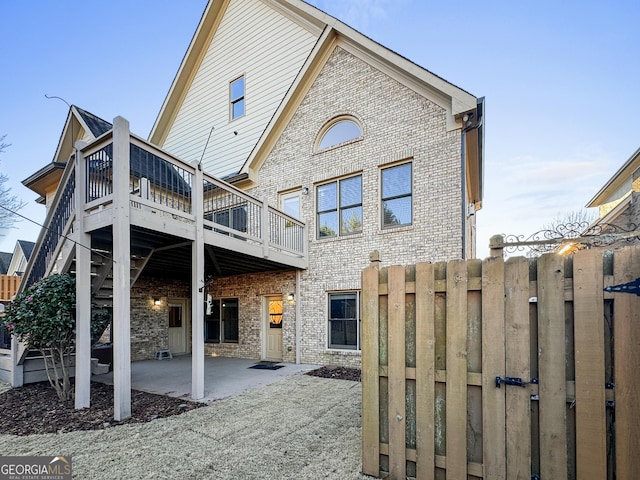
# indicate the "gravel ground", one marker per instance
pixel 302 427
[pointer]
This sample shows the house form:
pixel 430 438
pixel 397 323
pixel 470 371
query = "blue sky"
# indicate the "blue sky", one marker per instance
pixel 558 78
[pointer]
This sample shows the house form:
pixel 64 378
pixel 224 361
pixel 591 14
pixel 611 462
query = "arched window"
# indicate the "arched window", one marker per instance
pixel 339 131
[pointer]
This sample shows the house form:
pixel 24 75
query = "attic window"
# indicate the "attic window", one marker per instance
pixel 236 98
pixel 337 132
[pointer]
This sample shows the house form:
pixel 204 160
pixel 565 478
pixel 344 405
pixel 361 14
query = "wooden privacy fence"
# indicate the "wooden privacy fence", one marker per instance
pixel 504 370
pixel 8 287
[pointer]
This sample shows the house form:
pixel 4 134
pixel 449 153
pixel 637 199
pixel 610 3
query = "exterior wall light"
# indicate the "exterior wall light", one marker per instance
pixel 291 297
pixel 156 300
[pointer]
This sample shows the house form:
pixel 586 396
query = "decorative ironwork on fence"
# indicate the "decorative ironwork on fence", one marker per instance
pixel 575 236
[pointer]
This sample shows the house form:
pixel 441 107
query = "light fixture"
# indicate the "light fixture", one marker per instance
pixel 291 297
pixel 305 191
pixel 156 300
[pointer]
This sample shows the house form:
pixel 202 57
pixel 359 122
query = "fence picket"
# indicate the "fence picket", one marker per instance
pixel 626 268
pixel 456 389
pixel 370 375
pixel 493 364
pixel 396 373
pixel 588 298
pixel 551 348
pixel 518 345
pixel 425 370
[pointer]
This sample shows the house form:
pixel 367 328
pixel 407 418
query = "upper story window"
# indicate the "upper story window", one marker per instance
pixel 236 98
pixel 290 203
pixel 397 195
pixel 338 131
pixel 339 207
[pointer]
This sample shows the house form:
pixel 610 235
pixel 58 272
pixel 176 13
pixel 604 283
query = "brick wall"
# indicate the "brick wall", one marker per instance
pixel 398 124
pixel 149 322
pixel 251 291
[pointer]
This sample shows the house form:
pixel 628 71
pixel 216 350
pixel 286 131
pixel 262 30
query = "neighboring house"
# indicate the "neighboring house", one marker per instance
pixel 20 257
pixel 5 260
pixel 618 201
pixel 330 147
pixel 12 265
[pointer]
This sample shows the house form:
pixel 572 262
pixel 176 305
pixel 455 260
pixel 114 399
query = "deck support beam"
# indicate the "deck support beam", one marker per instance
pixel 83 290
pixel 121 272
pixel 197 289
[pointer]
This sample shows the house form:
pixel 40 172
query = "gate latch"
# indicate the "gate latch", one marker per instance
pixel 517 381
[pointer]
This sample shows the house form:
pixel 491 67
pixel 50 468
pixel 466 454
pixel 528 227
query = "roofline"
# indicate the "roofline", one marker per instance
pixel 614 182
pixel 461 101
pixel 43 172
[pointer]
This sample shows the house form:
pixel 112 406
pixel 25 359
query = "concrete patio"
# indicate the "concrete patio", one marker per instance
pixel 224 377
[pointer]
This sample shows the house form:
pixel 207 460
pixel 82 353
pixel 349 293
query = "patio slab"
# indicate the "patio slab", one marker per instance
pixel 223 376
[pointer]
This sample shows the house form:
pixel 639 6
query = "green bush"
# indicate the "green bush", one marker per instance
pixel 43 317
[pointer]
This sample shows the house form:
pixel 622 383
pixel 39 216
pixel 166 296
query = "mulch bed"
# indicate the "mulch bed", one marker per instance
pixel 340 373
pixel 35 408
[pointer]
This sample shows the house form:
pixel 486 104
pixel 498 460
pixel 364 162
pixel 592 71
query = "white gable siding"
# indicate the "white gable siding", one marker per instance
pixel 252 40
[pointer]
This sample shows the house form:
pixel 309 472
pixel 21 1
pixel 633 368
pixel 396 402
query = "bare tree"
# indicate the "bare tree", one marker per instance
pixel 9 204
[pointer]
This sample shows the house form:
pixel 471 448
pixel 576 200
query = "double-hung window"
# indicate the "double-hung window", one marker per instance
pixel 236 98
pixel 344 320
pixel 396 195
pixel 339 207
pixel 221 325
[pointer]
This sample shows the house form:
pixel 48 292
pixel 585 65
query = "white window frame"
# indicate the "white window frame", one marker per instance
pixel 358 320
pixel 284 196
pixel 234 100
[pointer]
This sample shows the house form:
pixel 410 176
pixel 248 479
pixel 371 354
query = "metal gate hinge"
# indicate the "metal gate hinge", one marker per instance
pixel 630 287
pixel 517 381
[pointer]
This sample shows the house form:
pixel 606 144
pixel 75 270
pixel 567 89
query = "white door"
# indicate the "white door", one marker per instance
pixel 273 326
pixel 177 327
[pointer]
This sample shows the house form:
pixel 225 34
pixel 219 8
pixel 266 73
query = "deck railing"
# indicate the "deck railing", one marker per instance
pixel 56 227
pixel 163 185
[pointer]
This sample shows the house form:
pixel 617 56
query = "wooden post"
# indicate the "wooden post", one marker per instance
pixel 551 351
pixel 626 268
pixel 197 288
pixel 493 365
pixel 266 228
pixel 370 369
pixel 83 289
pixel 121 272
pixel 496 246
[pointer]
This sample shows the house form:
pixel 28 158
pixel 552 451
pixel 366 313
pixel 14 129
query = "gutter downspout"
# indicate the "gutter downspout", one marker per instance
pixel 463 170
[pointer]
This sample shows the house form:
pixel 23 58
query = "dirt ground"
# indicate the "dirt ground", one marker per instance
pixel 301 427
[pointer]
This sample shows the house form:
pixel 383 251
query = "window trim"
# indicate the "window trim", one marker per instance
pixel 221 340
pixel 339 208
pixel 329 125
pixel 358 320
pixel 288 194
pixel 233 101
pixel 383 199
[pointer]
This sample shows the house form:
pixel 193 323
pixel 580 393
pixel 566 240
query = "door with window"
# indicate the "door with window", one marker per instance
pixel 177 326
pixel 273 327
